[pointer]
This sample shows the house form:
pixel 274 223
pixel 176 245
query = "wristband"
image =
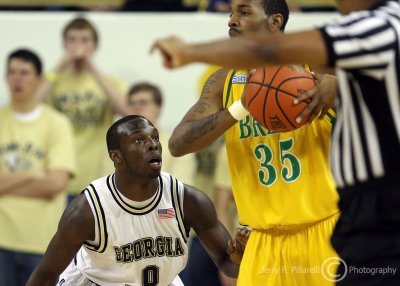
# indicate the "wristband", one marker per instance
pixel 51 76
pixel 237 110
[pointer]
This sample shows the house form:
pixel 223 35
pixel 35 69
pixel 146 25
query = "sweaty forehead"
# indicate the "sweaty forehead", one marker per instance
pixel 135 126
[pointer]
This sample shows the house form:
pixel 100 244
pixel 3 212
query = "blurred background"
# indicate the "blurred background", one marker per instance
pixel 127 29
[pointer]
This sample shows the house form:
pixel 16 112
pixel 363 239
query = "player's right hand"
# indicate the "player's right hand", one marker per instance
pixel 173 51
pixel 323 97
pixel 235 248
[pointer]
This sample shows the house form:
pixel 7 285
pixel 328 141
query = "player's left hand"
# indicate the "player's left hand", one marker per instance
pixel 236 248
pixel 323 97
pixel 173 51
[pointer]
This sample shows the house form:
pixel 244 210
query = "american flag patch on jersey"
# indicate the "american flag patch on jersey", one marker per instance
pixel 166 213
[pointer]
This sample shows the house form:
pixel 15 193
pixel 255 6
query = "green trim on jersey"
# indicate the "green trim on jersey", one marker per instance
pixel 228 92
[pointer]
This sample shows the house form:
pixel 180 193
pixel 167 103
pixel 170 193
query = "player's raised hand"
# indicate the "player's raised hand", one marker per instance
pixel 322 97
pixel 173 51
pixel 235 248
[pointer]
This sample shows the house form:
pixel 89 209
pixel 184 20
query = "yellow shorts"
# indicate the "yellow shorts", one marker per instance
pixel 299 255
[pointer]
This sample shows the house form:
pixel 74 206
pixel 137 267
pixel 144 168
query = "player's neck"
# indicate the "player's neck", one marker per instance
pixel 135 189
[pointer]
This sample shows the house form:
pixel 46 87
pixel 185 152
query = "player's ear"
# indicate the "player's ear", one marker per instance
pixel 115 156
pixel 275 22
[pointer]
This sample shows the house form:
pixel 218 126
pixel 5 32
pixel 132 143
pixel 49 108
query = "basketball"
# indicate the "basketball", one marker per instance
pixel 270 92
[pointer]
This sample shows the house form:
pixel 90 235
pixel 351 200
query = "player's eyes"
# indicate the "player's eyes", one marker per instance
pixel 139 140
pixel 244 13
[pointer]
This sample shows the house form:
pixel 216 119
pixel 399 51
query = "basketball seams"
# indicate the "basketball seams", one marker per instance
pixel 266 97
pixel 280 107
pixel 258 91
pixel 277 89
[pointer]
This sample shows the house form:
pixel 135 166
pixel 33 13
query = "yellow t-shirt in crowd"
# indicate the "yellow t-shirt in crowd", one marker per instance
pixel 278 178
pixel 46 143
pixel 182 168
pixel 83 100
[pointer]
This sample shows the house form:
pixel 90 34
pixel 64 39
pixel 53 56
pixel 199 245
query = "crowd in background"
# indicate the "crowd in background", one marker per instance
pixel 155 5
pixel 52 145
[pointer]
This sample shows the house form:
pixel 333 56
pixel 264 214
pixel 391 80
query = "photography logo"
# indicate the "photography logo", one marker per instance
pixel 329 268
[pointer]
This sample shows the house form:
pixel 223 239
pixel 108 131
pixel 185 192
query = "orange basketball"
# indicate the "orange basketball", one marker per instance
pixel 270 93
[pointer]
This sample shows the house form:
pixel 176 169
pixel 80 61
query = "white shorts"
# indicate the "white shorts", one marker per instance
pixel 73 277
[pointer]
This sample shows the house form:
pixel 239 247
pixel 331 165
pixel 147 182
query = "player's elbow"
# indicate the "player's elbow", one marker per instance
pixel 174 148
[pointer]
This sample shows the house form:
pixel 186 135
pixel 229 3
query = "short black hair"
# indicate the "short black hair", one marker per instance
pixel 112 137
pixel 277 7
pixel 146 86
pixel 27 56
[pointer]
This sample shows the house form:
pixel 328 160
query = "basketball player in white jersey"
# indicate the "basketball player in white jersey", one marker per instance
pixel 131 228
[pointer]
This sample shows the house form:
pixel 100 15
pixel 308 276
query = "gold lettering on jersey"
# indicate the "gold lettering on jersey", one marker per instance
pixel 250 128
pixel 168 247
pixel 149 247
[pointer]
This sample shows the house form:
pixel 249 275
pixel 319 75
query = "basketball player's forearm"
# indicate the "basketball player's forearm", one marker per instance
pixel 229 268
pixel 193 136
pixel 42 279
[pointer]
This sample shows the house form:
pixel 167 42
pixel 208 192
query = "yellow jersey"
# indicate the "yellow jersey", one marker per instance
pixel 278 178
pixel 27 224
pixel 81 98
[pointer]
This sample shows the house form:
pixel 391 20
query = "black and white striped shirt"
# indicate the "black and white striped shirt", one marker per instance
pixel 365 49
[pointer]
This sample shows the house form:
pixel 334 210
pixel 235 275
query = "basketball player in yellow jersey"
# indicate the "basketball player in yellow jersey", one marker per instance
pixel 281 182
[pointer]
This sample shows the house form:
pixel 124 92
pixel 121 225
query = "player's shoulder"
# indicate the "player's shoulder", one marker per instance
pixel 218 76
pixel 221 73
pixel 100 183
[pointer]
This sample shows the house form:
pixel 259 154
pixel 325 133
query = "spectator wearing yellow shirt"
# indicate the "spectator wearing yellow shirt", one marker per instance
pixel 37 161
pixel 146 99
pixel 90 99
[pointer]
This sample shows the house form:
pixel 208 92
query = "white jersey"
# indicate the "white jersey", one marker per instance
pixel 133 245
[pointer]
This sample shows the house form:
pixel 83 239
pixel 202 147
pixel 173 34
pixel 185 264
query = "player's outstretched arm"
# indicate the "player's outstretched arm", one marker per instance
pixel 200 214
pixel 76 226
pixel 205 121
pixel 248 51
